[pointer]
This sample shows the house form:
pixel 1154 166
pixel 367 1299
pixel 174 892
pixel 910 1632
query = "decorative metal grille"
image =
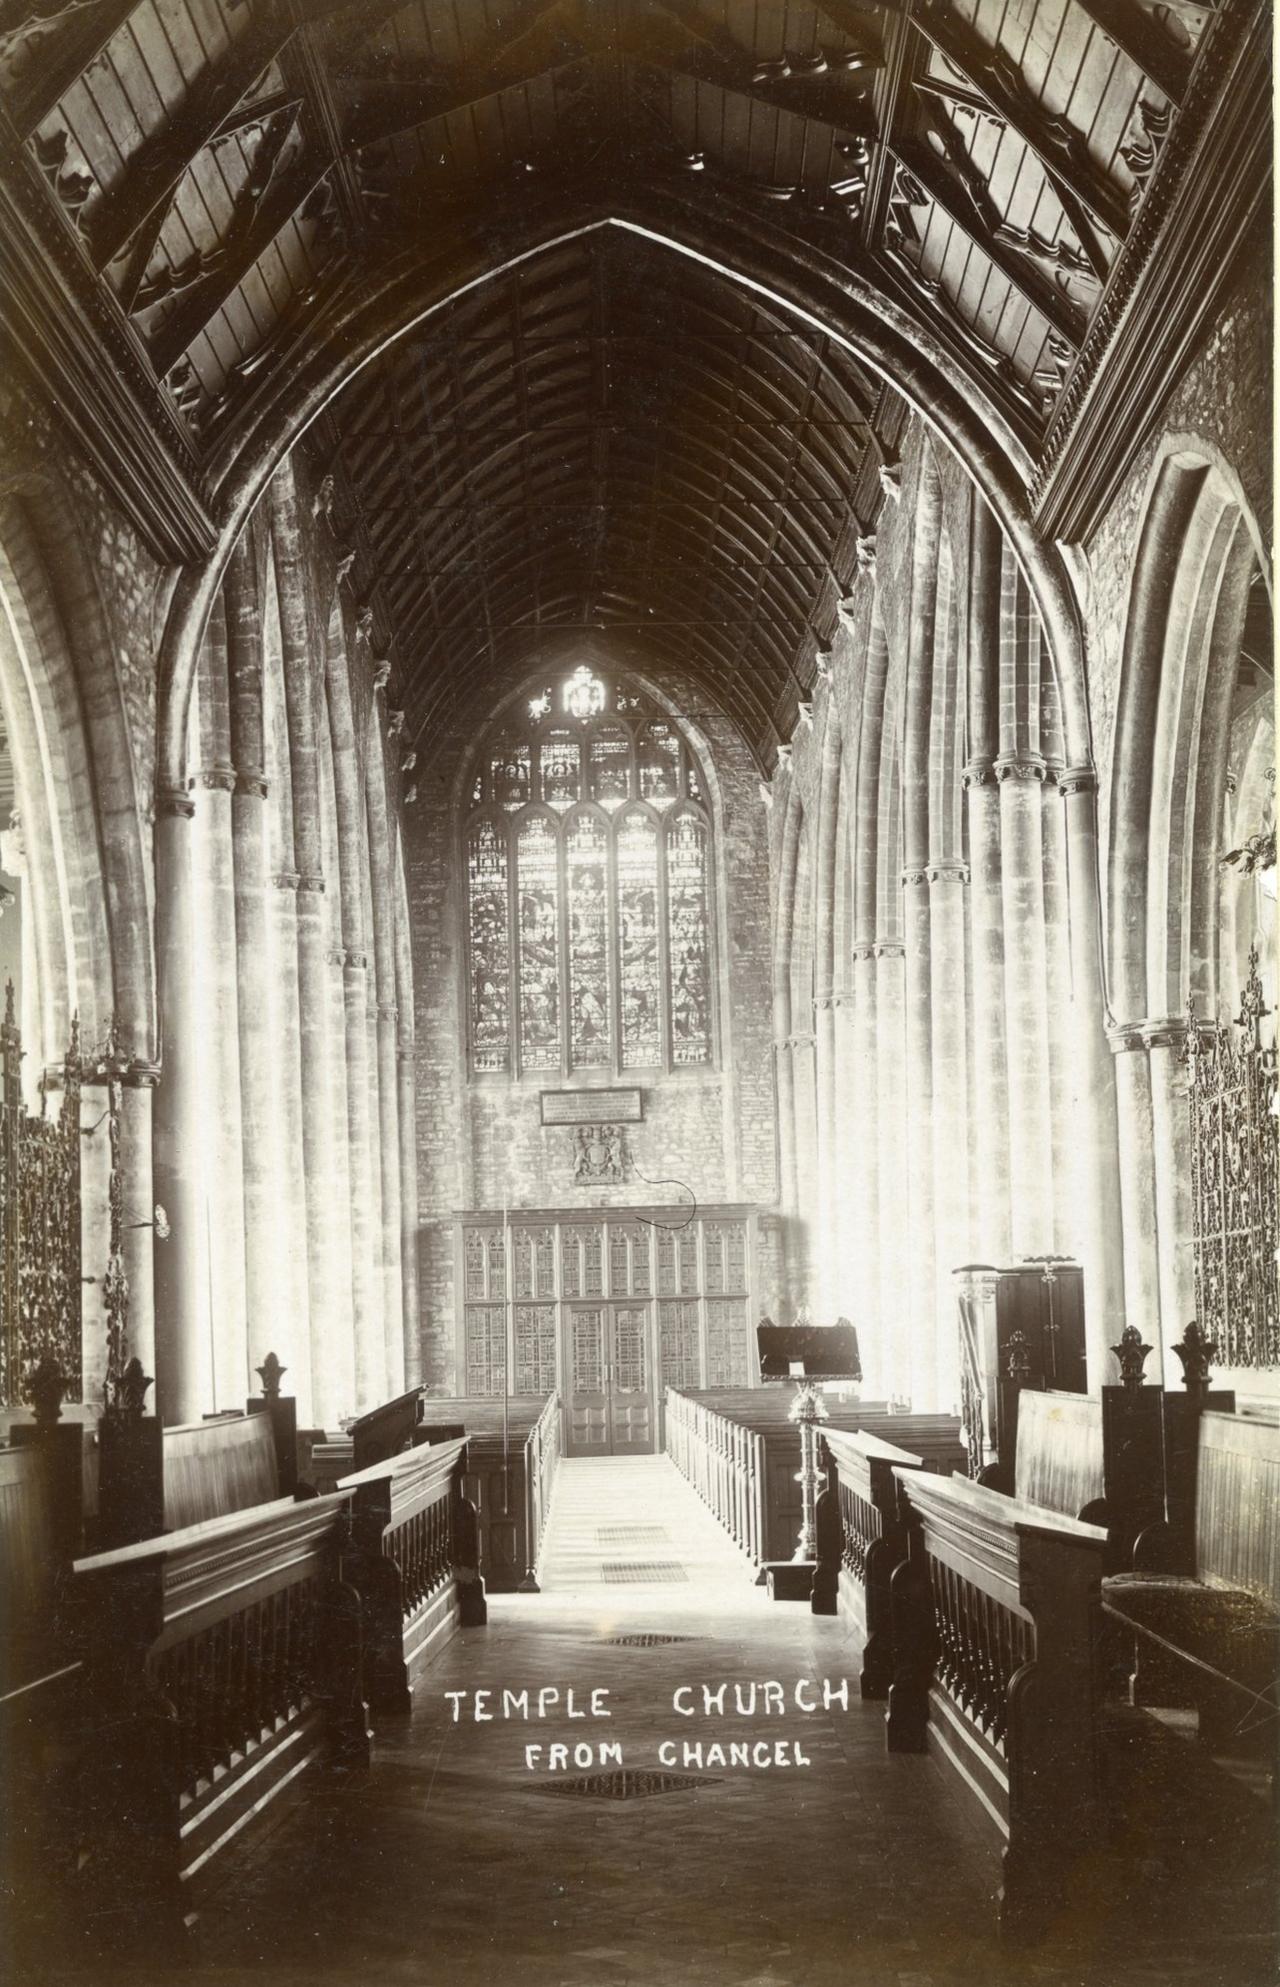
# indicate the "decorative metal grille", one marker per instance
pixel 40 1289
pixel 1234 1139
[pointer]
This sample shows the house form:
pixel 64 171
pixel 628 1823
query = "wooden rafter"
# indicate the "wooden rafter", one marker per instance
pixel 994 80
pixel 959 205
pixel 64 56
pixel 279 202
pixel 1138 36
pixel 155 171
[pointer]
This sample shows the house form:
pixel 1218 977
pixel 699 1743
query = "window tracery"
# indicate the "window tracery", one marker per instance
pixel 589 903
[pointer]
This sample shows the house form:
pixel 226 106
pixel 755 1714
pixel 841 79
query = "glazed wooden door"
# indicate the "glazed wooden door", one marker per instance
pixel 610 1380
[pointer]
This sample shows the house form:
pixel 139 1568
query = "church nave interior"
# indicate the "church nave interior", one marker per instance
pixel 637 898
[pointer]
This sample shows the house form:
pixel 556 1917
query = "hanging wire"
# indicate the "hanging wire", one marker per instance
pixel 667 1227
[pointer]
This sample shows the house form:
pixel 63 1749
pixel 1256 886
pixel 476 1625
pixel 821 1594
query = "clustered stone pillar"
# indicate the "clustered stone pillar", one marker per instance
pixel 183 1367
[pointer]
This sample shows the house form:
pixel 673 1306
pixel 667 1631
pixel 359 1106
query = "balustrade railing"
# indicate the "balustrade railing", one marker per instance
pixel 724 1462
pixel 861 1538
pixel 995 1635
pixel 415 1563
pixel 223 1658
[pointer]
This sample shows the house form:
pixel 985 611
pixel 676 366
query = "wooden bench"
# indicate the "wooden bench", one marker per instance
pixel 224 1660
pixel 861 1539
pixel 511 1469
pixel 1096 1459
pixel 1217 1620
pixel 414 1564
pixel 741 1452
pixel 156 1479
pixel 995 1613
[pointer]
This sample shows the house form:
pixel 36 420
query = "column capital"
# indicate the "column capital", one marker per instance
pixel 252 783
pixel 889 948
pixel 313 883
pixel 217 778
pixel 286 879
pixel 979 773
pixel 1078 779
pixel 356 962
pixel 406 1052
pixel 864 950
pixel 1124 1037
pixel 822 1003
pixel 948 871
pixel 913 876
pixel 1022 766
pixel 387 1011
pixel 174 804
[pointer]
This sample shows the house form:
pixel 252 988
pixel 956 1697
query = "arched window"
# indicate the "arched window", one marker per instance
pixel 588 854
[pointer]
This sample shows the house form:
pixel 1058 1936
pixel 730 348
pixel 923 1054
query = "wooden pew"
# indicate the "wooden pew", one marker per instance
pixel 861 1539
pixel 995 1613
pixel 224 1660
pixel 156 1479
pixel 1218 1619
pixel 751 1485
pixel 1096 1459
pixel 509 1476
pixel 415 1564
pixel 386 1430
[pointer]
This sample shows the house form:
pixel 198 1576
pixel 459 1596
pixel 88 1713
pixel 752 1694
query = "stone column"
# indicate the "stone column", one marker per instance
pixel 848 1246
pixel 1137 1186
pixel 990 1100
pixel 407 1077
pixel 1030 1150
pixel 860 1122
pixel 825 1213
pixel 1175 1217
pixel 894 1232
pixel 366 1324
pixel 267 994
pixel 1097 1139
pixel 920 1215
pixel 788 1192
pixel 138 1185
pixel 184 1370
pixel 218 1002
pixel 949 1016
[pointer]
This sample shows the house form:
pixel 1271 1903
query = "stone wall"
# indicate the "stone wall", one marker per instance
pixel 709 1132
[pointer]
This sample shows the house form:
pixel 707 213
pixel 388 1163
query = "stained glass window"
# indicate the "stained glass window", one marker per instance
pixel 659 756
pixel 590 1044
pixel 687 948
pixel 560 761
pixel 509 773
pixel 638 940
pixel 611 768
pixel 490 947
pixel 539 882
pixel 588 854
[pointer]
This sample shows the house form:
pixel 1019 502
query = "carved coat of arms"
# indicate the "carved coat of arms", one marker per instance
pixel 599 1153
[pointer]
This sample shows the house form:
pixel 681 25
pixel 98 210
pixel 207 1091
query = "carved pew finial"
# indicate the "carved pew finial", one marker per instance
pixel 271 1373
pixel 130 1391
pixel 1131 1357
pixel 46 1385
pixel 1196 1352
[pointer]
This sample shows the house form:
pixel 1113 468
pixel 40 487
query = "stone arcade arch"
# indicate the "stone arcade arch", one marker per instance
pixel 1170 817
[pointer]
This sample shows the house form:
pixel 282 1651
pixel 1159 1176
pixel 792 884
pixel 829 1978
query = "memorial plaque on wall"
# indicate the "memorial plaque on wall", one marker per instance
pixel 591 1107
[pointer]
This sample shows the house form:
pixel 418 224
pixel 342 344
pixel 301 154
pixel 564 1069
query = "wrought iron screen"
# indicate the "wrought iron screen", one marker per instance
pixel 1234 1138
pixel 40 1291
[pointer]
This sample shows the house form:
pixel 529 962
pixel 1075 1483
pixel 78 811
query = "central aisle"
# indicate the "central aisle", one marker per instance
pixel 456 1862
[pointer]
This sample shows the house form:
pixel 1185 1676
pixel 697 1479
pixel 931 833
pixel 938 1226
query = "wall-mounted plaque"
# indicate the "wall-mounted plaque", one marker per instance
pixel 591 1107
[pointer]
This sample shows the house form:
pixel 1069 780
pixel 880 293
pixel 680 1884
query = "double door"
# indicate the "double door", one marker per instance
pixel 609 1382
pixel 607 1308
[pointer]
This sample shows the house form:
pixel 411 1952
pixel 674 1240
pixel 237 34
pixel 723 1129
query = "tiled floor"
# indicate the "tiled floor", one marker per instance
pixel 454 1862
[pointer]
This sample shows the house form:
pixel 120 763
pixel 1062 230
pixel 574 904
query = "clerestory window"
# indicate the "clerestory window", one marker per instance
pixel 588 852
